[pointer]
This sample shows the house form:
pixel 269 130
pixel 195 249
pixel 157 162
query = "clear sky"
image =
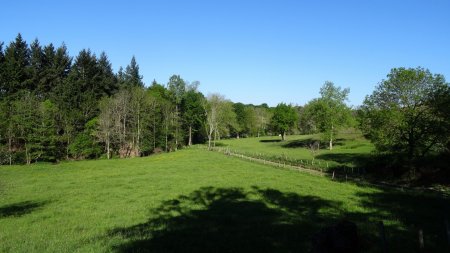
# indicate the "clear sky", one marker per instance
pixel 250 51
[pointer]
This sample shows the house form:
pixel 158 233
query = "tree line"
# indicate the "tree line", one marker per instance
pixel 55 107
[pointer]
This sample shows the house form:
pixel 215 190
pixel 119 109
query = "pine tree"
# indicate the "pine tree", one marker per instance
pixel 36 68
pixel 132 76
pixel 17 59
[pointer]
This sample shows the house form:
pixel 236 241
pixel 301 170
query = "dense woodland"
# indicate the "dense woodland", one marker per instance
pixel 54 107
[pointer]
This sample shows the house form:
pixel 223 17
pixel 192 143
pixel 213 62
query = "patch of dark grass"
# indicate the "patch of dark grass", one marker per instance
pixel 269 141
pixel 220 144
pixel 20 209
pixel 306 143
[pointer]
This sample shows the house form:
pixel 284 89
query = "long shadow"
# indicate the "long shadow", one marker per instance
pixel 265 141
pixel 20 209
pixel 305 143
pixel 231 220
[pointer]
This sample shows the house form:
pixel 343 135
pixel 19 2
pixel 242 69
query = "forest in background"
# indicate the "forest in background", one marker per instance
pixel 54 106
pixel 57 107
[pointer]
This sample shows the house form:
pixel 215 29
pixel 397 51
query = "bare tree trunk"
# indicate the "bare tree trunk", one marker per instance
pixel 107 146
pixel 283 136
pixel 166 137
pixel 190 136
pixel 176 127
pixel 10 149
pixel 27 155
pixel 67 147
pixel 215 137
pixel 331 137
pixel 209 141
pixel 138 151
pixel 154 132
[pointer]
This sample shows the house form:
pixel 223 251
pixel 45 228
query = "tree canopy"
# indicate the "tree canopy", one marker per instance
pixel 408 113
pixel 329 113
pixel 284 119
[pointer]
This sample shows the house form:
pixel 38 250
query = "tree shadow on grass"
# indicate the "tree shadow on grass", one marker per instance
pixel 305 143
pixel 20 209
pixel 231 220
pixel 267 220
pixel 270 141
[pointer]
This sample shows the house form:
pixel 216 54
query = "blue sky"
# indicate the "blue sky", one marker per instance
pixel 249 51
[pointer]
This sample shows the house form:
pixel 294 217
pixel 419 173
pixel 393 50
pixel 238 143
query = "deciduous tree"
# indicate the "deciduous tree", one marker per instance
pixel 408 113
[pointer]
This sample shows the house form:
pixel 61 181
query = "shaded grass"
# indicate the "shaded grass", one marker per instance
pixel 193 200
pixel 19 209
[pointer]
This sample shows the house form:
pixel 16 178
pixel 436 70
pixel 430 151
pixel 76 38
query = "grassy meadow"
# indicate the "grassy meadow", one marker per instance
pixel 349 150
pixel 199 201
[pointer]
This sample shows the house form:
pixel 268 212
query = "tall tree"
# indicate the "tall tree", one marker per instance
pixel 132 77
pixel 284 119
pixel 2 72
pixel 106 124
pixel 192 113
pixel 212 107
pixel 17 60
pixel 25 120
pixel 241 117
pixel 107 79
pixel 263 117
pixel 329 112
pixel 36 68
pixel 408 113
pixel 176 88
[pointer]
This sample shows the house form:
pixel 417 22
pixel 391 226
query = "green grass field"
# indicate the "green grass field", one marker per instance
pixel 199 201
pixel 349 150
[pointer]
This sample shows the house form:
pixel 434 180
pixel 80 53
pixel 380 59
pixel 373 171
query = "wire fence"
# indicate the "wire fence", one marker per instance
pixel 329 169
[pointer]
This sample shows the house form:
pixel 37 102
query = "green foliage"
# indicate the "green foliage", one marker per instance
pixel 85 145
pixel 329 113
pixel 132 77
pixel 193 116
pixel 247 119
pixel 408 114
pixel 284 119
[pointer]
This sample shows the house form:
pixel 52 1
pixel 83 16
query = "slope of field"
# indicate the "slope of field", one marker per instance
pixel 350 150
pixel 198 201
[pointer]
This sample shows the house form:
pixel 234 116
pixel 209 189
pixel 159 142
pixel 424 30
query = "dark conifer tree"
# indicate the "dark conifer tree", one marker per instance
pixel 132 76
pixel 36 68
pixel 17 59
pixel 107 78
